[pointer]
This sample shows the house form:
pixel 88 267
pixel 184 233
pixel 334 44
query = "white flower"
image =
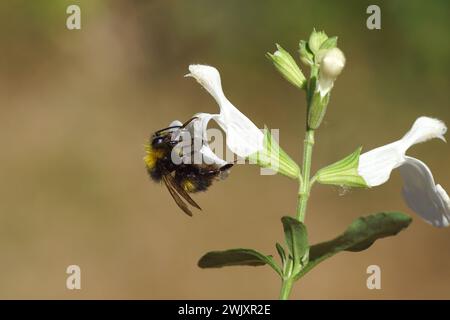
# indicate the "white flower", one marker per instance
pixel 331 65
pixel 421 193
pixel 243 136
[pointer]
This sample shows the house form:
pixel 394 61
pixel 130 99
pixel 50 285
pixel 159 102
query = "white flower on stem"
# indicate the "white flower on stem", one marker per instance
pixel 421 193
pixel 243 136
pixel 331 64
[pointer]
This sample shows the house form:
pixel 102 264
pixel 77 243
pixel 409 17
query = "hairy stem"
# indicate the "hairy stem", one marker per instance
pixel 286 288
pixel 303 194
pixel 304 181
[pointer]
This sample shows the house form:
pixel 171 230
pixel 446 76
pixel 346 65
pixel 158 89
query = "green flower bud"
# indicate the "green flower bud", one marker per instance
pixel 331 63
pixel 316 39
pixel 286 65
pixel 317 109
pixel 330 43
pixel 306 56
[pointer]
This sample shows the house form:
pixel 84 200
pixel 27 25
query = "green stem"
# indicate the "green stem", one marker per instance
pixel 304 181
pixel 303 194
pixel 286 288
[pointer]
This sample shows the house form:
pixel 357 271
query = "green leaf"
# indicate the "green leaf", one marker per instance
pixel 236 257
pixel 343 173
pixel 296 239
pixel 360 235
pixel 281 253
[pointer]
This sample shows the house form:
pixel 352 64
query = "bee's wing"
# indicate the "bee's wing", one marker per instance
pixel 183 206
pixel 181 191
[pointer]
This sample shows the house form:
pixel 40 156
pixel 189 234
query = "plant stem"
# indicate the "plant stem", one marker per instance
pixel 286 288
pixel 304 182
pixel 303 194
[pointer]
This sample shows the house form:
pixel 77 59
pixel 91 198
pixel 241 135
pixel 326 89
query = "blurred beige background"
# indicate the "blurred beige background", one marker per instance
pixel 76 108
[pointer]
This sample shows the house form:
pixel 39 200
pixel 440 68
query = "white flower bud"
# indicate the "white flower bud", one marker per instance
pixel 331 65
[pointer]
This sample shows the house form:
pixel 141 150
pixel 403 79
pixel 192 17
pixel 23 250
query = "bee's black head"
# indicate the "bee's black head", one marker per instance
pixel 162 141
pixel 158 141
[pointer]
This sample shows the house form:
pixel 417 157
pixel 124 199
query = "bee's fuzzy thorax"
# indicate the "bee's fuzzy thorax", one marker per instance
pixel 151 158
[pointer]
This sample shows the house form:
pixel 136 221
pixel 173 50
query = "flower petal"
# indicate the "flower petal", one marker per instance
pixel 422 195
pixel 243 136
pixel 209 78
pixel 209 157
pixel 175 123
pixel 375 166
pixel 194 139
pixel 424 129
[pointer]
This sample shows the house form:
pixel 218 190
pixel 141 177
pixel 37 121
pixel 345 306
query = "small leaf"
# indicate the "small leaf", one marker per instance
pixel 296 239
pixel 360 235
pixel 281 253
pixel 343 172
pixel 236 257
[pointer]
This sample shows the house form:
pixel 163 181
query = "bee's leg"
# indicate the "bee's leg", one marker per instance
pixel 226 167
pixel 216 171
pixel 190 156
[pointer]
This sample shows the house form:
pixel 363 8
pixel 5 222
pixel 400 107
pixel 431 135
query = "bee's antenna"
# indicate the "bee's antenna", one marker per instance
pixel 187 122
pixel 176 127
pixel 168 128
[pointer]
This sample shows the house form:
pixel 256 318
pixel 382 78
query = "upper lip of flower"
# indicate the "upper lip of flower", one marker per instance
pixel 421 193
pixel 243 136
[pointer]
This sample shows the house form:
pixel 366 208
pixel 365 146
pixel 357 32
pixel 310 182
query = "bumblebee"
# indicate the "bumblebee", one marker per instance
pixel 180 179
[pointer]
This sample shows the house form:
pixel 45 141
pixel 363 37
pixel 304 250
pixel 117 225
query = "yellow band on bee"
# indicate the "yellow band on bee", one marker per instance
pixel 152 155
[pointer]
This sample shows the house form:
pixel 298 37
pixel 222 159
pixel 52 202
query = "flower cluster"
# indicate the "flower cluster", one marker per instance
pixel 367 170
pixel 244 138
